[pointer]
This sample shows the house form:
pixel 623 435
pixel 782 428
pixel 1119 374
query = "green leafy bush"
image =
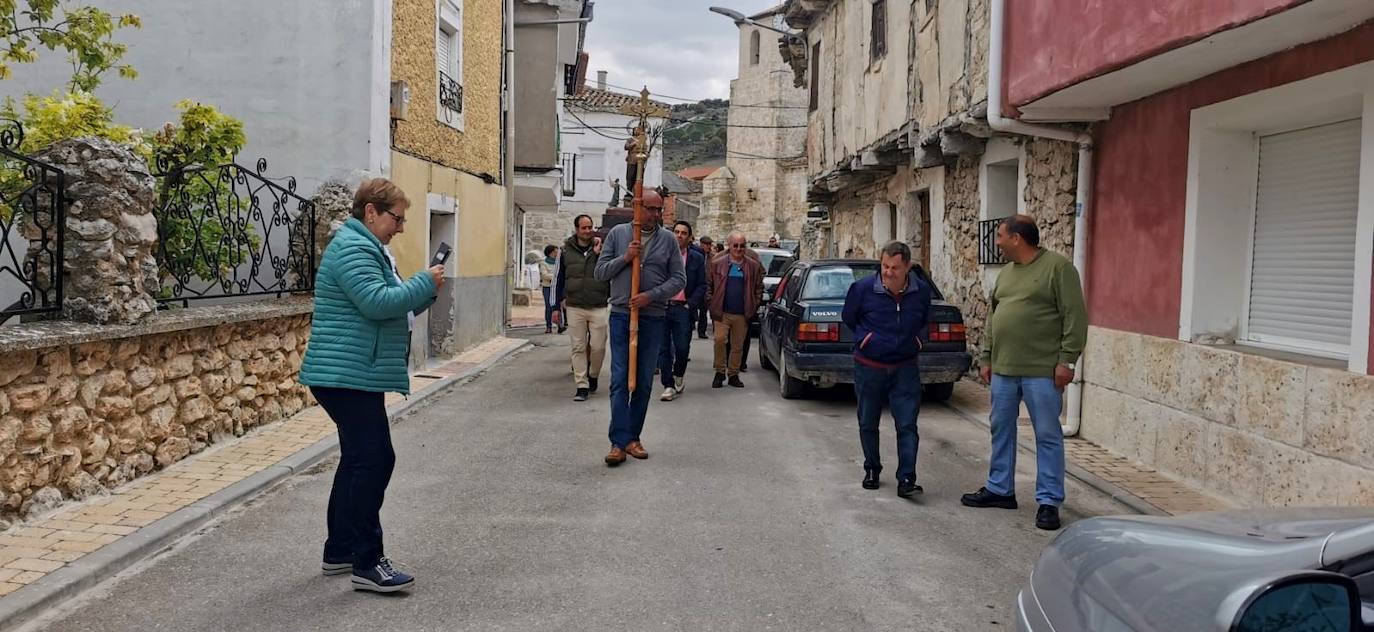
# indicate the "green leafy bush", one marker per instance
pixel 86 33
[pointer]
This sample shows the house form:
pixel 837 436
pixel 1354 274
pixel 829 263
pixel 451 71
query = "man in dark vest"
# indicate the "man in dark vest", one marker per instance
pixel 584 299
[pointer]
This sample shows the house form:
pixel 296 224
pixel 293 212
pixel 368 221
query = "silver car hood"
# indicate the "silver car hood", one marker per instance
pixel 1163 573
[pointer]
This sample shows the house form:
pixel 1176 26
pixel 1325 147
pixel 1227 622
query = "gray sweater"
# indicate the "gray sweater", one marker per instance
pixel 661 273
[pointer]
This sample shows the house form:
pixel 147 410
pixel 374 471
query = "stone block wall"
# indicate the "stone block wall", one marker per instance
pixel 85 408
pixel 1258 430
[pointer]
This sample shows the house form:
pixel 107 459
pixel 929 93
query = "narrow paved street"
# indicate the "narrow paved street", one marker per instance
pixel 747 516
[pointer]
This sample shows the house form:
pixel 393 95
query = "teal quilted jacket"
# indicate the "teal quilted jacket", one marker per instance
pixel 359 338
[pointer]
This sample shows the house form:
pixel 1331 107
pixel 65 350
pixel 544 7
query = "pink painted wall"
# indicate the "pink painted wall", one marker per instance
pixel 1051 44
pixel 1135 256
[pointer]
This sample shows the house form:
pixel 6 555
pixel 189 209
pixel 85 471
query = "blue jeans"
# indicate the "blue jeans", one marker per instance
pixel 628 410
pixel 900 390
pixel 366 460
pixel 673 354
pixel 1044 403
pixel 549 308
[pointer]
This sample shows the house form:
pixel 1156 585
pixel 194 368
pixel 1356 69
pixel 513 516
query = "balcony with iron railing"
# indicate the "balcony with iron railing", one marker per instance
pixel 450 93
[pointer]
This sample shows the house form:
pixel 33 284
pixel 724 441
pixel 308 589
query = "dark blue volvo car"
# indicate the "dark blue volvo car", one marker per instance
pixel 802 337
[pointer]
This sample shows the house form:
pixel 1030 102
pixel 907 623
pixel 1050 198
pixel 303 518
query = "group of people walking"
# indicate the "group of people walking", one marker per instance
pixel 364 311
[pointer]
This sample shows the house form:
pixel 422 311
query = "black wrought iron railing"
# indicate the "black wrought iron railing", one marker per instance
pixel 33 211
pixel 231 231
pixel 569 162
pixel 988 252
pixel 450 94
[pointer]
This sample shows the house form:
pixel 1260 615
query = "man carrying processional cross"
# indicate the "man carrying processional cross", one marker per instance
pixel 642 263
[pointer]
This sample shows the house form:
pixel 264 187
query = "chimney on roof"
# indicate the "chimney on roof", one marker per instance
pixel 601 80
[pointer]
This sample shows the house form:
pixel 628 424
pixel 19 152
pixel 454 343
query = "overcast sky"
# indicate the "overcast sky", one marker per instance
pixel 676 47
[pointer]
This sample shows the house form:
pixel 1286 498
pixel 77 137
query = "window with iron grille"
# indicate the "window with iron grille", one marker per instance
pixel 754 48
pixel 878 42
pixel 449 62
pixel 988 252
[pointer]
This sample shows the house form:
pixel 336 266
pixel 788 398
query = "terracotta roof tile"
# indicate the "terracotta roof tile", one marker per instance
pixel 593 100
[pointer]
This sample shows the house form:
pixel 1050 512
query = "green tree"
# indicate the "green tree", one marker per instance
pixel 85 33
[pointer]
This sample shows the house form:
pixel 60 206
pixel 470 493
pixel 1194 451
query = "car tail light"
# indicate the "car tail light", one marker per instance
pixel 947 332
pixel 818 332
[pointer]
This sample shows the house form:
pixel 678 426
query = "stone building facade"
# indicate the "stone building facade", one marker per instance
pixel 766 143
pixel 899 148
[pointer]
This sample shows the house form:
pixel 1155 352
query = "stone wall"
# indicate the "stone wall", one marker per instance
pixel 717 204
pixel 86 408
pixel 959 275
pixel 1259 430
pixel 1051 189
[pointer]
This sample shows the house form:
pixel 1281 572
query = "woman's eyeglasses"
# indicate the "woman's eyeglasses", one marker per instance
pixel 400 221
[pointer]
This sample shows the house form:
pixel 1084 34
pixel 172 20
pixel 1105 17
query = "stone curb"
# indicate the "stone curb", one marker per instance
pixel 1116 492
pixel 23 605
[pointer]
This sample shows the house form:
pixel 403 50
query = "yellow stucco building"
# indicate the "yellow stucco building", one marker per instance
pixel 445 65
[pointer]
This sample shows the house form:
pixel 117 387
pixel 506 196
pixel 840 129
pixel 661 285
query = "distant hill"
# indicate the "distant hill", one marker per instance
pixel 700 141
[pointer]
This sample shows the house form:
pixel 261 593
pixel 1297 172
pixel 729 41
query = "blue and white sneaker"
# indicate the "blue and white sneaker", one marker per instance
pixel 332 567
pixel 382 578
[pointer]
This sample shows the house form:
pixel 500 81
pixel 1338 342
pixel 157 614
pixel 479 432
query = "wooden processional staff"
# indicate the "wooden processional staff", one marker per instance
pixel 643 110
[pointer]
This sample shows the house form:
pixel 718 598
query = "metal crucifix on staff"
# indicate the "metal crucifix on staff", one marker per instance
pixel 644 109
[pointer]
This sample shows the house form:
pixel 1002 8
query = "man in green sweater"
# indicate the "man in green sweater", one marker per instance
pixel 1035 333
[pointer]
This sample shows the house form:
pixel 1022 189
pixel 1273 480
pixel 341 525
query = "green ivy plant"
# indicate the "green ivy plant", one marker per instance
pixel 85 33
pixel 46 120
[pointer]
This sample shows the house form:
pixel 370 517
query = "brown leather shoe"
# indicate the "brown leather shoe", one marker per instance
pixel 616 456
pixel 636 450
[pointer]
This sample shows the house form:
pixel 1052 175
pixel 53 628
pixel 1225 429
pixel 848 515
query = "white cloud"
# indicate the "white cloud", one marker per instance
pixel 675 47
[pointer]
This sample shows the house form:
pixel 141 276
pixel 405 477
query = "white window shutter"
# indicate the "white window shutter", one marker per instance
pixel 1303 278
pixel 445 53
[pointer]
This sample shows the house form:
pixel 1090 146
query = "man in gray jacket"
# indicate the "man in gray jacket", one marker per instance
pixel 661 277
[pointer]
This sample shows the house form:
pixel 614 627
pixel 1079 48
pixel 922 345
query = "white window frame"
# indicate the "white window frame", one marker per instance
pixel 449 24
pixel 1223 163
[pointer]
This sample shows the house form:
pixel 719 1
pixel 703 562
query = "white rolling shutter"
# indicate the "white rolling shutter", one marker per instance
pixel 1303 278
pixel 445 49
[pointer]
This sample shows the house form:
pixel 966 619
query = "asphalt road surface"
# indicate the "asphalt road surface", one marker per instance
pixel 747 516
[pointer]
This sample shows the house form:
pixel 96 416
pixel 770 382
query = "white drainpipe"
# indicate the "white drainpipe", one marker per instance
pixel 1085 156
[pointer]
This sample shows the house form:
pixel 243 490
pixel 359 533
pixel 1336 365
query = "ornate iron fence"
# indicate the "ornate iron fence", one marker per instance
pixel 33 211
pixel 231 231
pixel 988 252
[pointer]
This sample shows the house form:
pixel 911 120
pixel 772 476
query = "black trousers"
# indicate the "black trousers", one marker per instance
pixel 365 464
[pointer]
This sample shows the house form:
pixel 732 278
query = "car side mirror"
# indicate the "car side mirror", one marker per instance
pixel 1315 602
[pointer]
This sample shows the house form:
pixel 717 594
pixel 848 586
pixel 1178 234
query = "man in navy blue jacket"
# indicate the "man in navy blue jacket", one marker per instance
pixel 888 313
pixel 673 355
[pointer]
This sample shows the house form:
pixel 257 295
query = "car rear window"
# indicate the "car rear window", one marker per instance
pixel 775 264
pixel 833 281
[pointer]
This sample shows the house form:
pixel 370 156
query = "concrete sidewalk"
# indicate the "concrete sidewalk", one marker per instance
pixel 1138 486
pixel 48 560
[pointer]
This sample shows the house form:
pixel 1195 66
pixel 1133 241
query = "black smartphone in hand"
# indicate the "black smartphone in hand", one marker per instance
pixel 441 256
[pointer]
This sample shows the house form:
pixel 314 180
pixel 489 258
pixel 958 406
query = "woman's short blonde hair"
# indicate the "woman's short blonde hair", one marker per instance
pixel 379 192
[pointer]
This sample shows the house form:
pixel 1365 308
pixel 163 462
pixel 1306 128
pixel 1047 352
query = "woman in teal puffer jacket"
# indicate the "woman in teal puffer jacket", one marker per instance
pixel 359 340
